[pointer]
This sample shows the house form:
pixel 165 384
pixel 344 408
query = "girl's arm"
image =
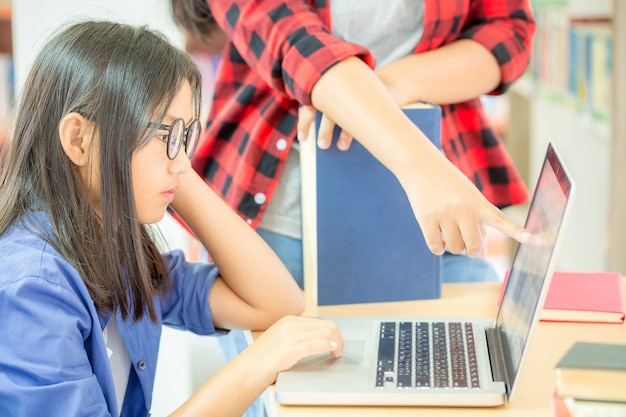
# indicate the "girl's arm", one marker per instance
pixel 453 73
pixel 492 51
pixel 437 76
pixel 236 385
pixel 449 208
pixel 254 288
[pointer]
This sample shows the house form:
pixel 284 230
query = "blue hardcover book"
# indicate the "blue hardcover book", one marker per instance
pixel 361 241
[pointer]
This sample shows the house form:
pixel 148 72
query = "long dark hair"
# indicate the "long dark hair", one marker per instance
pixel 121 77
pixel 196 19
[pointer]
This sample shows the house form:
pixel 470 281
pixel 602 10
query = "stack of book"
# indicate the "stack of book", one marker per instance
pixel 591 381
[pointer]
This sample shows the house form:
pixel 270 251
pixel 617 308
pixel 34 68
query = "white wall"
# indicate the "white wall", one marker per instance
pixel 585 146
pixel 34 20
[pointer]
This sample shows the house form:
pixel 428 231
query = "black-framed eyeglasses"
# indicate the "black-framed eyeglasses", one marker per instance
pixel 177 135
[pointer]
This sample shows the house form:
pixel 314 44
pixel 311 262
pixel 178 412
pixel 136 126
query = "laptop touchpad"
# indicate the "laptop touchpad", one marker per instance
pixel 352 355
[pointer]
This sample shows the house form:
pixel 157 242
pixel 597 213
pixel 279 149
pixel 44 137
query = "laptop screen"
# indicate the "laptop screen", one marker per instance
pixel 533 262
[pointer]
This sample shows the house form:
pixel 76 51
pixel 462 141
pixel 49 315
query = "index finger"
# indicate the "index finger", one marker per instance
pixel 306 116
pixel 498 220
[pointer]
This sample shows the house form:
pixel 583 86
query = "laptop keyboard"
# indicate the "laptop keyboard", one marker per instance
pixel 427 355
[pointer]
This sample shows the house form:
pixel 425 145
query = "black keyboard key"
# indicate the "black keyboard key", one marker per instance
pixel 386 354
pixel 440 356
pixel 472 362
pixel 423 355
pixel 458 363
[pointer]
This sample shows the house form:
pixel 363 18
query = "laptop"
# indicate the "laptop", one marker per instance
pixel 433 361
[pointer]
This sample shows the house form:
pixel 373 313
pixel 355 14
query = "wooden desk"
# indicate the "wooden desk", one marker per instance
pixel 533 395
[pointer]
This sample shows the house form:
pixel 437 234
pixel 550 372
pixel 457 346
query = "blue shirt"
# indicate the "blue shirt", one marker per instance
pixel 53 357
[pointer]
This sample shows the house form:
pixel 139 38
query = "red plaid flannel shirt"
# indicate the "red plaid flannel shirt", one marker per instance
pixel 278 50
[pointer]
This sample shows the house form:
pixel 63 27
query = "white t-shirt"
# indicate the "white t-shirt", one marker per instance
pixel 390 30
pixel 120 361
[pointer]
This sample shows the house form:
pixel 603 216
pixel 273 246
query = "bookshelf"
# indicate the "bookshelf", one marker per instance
pixel 569 96
pixel 6 67
pixel 618 161
pixel 5 28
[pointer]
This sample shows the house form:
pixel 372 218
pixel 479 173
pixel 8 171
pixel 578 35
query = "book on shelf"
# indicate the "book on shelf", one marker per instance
pixel 587 297
pixel 592 371
pixel 6 95
pixel 573 58
pixel 361 241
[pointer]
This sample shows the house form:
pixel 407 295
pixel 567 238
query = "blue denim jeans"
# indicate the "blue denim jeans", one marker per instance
pixel 289 250
pixel 231 345
pixel 456 268
pixel 462 268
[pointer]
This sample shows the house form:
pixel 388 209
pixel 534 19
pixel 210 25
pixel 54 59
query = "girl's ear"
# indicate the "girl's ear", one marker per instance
pixel 75 132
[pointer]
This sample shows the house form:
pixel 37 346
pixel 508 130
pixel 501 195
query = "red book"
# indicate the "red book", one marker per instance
pixel 588 297
pixel 559 406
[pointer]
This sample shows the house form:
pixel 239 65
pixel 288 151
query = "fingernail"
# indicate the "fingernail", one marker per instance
pixel 300 135
pixel 525 237
pixel 322 143
pixel 333 345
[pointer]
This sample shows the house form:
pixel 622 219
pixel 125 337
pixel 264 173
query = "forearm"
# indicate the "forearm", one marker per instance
pixel 235 386
pixel 248 267
pixel 373 118
pixel 454 73
pixel 231 390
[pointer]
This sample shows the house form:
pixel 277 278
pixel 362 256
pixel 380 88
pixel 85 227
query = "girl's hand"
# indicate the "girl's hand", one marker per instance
pixel 293 338
pixel 451 211
pixel 253 370
pixel 306 116
pixel 306 119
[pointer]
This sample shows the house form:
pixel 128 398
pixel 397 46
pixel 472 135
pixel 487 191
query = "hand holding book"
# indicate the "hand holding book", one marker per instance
pixel 448 206
pixel 360 238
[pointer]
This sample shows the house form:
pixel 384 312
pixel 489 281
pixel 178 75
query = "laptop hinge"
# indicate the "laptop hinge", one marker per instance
pixel 496 356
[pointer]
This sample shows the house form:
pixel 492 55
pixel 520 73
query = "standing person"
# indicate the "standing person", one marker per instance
pixel 285 55
pixel 104 130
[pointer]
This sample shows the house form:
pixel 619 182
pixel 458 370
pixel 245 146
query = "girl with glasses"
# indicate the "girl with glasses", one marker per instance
pixel 104 130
